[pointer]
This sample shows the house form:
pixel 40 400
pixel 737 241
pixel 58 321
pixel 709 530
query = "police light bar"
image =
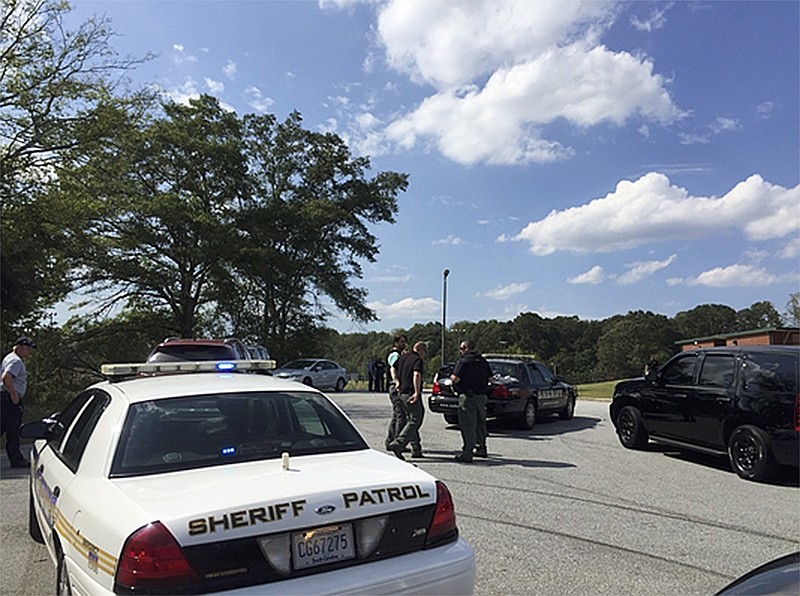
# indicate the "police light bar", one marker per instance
pixel 116 371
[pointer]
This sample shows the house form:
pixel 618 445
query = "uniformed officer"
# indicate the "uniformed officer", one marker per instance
pixel 12 390
pixel 409 369
pixel 470 378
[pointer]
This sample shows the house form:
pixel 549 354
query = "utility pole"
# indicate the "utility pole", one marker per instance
pixel 445 273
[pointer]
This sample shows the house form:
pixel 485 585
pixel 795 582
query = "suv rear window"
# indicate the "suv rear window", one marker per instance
pixel 771 373
pixel 180 433
pixel 190 352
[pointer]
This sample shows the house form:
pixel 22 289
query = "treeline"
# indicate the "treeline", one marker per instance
pixel 581 351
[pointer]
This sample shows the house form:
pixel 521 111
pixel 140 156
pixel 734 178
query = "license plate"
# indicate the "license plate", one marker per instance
pixel 321 546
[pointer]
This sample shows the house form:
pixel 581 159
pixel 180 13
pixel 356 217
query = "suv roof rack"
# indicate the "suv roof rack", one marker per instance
pixel 119 372
pixel 511 356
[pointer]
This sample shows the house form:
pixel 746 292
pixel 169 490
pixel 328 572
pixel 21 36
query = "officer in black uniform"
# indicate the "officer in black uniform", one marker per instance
pixel 470 378
pixel 409 369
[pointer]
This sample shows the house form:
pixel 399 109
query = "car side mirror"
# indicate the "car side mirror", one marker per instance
pixel 37 429
pixel 651 375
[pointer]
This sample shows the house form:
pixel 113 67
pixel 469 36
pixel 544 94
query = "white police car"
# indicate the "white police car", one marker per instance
pixel 228 482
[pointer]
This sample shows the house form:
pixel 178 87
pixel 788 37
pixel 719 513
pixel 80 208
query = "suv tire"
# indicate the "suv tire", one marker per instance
pixel 630 428
pixel 749 453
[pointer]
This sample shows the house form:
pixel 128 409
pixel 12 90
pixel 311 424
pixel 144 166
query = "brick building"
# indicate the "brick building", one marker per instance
pixel 757 337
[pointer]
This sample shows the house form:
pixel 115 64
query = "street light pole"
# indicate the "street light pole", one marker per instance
pixel 445 273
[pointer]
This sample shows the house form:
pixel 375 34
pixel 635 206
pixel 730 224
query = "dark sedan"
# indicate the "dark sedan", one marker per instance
pixel 521 391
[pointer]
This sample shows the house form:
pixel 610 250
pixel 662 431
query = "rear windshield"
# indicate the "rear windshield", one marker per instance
pixel 175 353
pixel 504 369
pixel 167 435
pixel 774 373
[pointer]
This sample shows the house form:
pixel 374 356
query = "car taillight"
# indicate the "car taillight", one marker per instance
pixel 797 413
pixel 500 391
pixel 436 390
pixel 152 560
pixel 443 525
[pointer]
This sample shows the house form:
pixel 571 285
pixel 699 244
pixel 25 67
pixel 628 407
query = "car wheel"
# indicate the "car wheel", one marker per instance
pixel 34 529
pixel 569 410
pixel 529 415
pixel 749 453
pixel 340 385
pixel 451 418
pixel 630 428
pixel 308 381
pixel 62 577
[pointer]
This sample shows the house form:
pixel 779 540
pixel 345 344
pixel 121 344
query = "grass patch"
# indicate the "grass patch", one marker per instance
pixel 600 391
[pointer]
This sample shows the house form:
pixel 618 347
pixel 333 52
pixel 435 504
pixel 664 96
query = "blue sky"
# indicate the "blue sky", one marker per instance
pixel 565 158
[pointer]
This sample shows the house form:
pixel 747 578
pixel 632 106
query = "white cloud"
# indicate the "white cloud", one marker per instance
pixel 722 124
pixel 503 70
pixel 230 69
pixel 651 209
pixel 183 93
pixel 735 276
pixel 594 276
pixel 214 86
pixel 506 292
pixel 498 122
pixel 256 100
pixel 450 241
pixel 392 278
pixel 638 271
pixel 415 308
pixel 791 250
pixel 656 20
pixel 180 56
pixel 764 110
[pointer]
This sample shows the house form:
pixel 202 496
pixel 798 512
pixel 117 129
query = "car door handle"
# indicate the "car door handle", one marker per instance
pixel 681 395
pixel 723 400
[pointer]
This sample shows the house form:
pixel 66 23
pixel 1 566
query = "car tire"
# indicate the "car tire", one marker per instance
pixel 569 410
pixel 34 529
pixel 529 413
pixel 750 455
pixel 451 418
pixel 630 428
pixel 62 576
pixel 340 385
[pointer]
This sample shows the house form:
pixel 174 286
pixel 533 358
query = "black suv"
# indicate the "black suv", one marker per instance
pixel 176 348
pixel 742 402
pixel 521 390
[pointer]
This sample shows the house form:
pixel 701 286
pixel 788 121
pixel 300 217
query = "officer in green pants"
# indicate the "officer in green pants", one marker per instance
pixel 470 378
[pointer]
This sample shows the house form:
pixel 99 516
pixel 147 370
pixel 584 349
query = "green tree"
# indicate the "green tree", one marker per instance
pixel 629 341
pixel 706 320
pixel 53 80
pixel 164 205
pixel 760 315
pixel 304 231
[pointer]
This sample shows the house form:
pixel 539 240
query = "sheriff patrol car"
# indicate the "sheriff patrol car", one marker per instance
pixel 210 480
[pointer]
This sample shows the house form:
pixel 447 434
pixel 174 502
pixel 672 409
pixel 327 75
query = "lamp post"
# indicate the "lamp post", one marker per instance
pixel 445 273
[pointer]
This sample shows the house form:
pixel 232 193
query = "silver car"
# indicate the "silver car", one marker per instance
pixel 315 372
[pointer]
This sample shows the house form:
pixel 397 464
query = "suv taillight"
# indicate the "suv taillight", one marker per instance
pixel 797 413
pixel 152 561
pixel 443 525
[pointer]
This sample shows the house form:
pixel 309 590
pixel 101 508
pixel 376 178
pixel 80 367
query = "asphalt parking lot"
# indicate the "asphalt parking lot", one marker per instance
pixel 560 509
